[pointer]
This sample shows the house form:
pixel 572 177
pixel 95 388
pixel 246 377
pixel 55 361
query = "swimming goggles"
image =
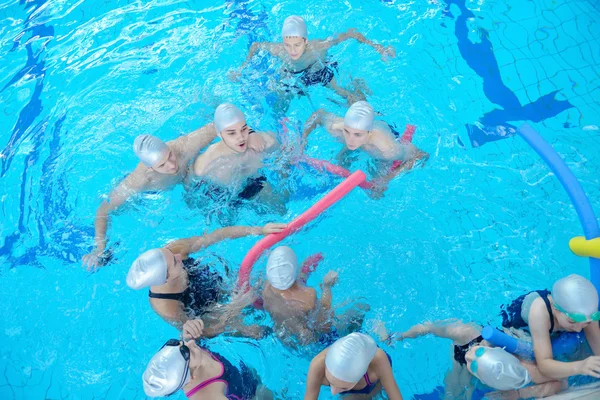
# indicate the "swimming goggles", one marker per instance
pixel 185 352
pixel 474 365
pixel 579 318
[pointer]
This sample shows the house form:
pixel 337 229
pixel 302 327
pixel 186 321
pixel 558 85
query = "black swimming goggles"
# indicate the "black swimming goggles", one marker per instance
pixel 185 353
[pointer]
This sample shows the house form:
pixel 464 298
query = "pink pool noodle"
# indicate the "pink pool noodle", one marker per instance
pixel 406 137
pixel 408 134
pixel 332 169
pixel 321 165
pixel 311 263
pixel 329 199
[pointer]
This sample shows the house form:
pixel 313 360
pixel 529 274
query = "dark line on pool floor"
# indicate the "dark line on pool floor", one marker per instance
pixel 480 57
pixel 53 188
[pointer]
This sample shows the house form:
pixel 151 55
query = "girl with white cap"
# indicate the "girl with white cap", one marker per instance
pixel 571 306
pixel 358 129
pixel 182 289
pixel 301 318
pixel 495 369
pixel 352 366
pixel 201 374
pixel 229 163
pixel 162 165
pixel 305 61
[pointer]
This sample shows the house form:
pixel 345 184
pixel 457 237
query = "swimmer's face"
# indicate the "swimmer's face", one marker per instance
pixel 236 137
pixel 295 46
pixel 174 263
pixel 167 165
pixel 568 324
pixel 338 386
pixel 470 356
pixel 355 138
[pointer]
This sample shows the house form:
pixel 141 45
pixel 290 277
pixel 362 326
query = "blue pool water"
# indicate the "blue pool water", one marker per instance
pixel 484 221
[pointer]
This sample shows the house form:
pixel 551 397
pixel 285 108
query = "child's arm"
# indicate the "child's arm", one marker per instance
pixel 386 376
pixel 272 48
pixel 541 390
pixel 316 372
pixel 544 386
pixel 318 118
pixel 130 186
pixel 539 325
pixel 455 330
pixel 535 391
pixel 313 122
pixel 175 316
pixel 193 142
pixel 415 155
pixel 326 297
pixel 194 244
pixel 354 34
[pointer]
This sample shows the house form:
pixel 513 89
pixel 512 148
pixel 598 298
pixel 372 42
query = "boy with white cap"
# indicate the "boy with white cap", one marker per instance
pixel 307 60
pixel 230 162
pixel 162 165
pixel 358 129
pixel 182 289
pixel 300 317
pixel 352 366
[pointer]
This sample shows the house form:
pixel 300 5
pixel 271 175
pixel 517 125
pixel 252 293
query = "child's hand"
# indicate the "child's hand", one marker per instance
pixel 380 330
pixel 386 52
pixel 256 143
pixel 330 279
pixel 273 228
pixel 378 189
pixel 590 367
pixel 192 329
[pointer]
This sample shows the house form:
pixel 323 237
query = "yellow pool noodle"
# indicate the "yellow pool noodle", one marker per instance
pixel 585 248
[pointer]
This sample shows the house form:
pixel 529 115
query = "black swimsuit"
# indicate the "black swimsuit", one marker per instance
pixel 460 352
pixel 251 188
pixel 204 289
pixel 322 76
pixel 310 77
pixel 512 316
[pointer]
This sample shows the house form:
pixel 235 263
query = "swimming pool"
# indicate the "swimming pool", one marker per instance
pixel 481 223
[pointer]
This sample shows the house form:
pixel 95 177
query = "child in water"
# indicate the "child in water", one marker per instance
pixel 305 61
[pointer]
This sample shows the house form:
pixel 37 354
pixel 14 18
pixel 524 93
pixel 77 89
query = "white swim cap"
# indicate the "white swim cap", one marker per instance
pixel 575 294
pixel 349 357
pixel 166 373
pixel 360 115
pixel 150 149
pixel 500 370
pixel 149 269
pixel 282 268
pixel 294 26
pixel 226 115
